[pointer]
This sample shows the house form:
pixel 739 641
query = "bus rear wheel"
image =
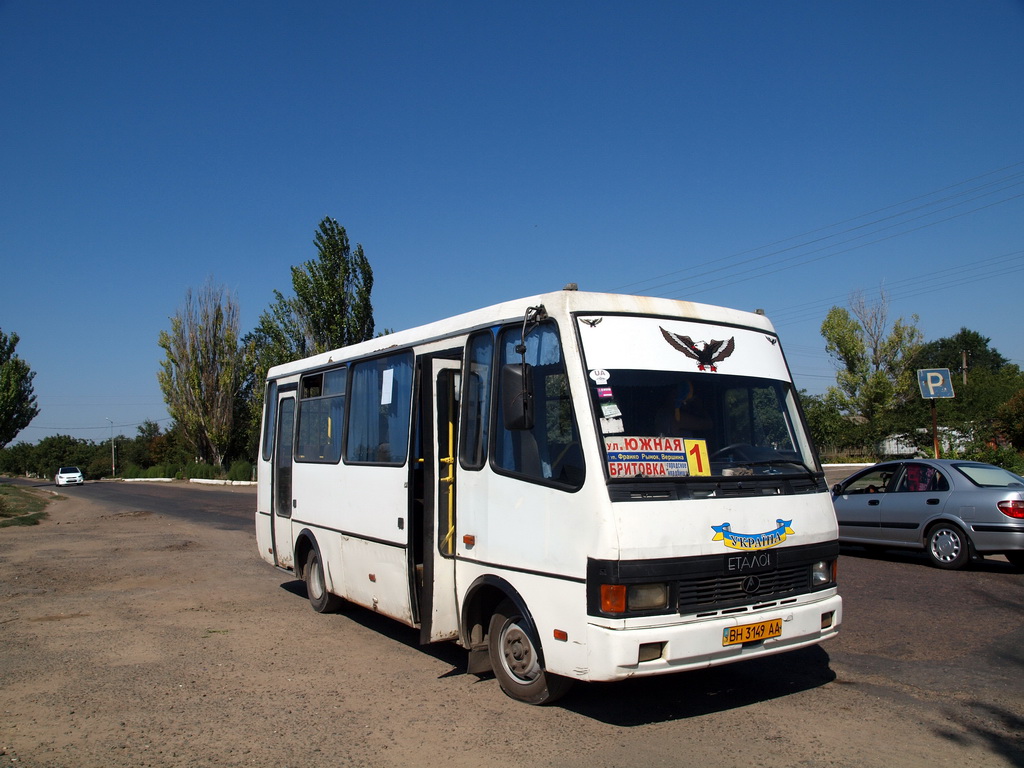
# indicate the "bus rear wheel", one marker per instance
pixel 316 587
pixel 516 662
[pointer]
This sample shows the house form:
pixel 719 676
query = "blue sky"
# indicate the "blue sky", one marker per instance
pixel 759 155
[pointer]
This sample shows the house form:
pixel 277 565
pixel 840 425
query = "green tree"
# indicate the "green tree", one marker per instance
pixel 56 451
pixel 202 373
pixel 872 359
pixel 952 351
pixel 330 307
pixel 17 459
pixel 137 451
pixel 1009 419
pixel 982 393
pixel 829 428
pixel 17 398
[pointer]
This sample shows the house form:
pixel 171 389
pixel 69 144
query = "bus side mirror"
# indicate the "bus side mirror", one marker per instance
pixel 517 395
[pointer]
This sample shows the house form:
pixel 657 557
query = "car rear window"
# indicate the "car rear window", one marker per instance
pixel 988 476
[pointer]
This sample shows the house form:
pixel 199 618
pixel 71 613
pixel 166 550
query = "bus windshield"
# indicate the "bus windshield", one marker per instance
pixel 659 424
pixel 671 407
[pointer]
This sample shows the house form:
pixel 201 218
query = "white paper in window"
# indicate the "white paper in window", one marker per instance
pixel 387 387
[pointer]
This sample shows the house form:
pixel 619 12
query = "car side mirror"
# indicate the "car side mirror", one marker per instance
pixel 517 396
pixel 837 490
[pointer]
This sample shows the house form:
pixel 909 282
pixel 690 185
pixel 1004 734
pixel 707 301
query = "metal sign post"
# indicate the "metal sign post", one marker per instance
pixel 934 384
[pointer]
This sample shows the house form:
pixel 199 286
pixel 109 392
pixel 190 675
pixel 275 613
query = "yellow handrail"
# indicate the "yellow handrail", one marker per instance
pixel 446 543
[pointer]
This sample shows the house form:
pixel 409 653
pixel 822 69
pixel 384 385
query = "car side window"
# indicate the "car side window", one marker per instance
pixel 875 481
pixel 921 478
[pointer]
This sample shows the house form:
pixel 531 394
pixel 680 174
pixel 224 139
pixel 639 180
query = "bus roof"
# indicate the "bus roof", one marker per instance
pixel 557 303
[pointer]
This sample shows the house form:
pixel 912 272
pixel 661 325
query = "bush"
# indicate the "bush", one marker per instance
pixel 1007 458
pixel 240 470
pixel 163 470
pixel 202 472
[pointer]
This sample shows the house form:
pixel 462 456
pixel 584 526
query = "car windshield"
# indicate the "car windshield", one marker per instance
pixel 68 470
pixel 988 476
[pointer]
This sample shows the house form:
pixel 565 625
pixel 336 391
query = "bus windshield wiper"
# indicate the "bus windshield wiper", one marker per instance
pixel 778 462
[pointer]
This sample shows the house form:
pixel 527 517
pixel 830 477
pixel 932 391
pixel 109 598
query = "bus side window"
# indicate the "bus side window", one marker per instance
pixel 321 411
pixel 269 412
pixel 550 451
pixel 379 410
pixel 476 400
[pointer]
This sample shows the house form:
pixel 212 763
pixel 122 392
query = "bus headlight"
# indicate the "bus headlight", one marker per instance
pixel 822 573
pixel 622 598
pixel 647 597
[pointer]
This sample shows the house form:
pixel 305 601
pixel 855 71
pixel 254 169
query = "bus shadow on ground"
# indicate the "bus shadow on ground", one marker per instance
pixel 685 695
pixel 392 629
pixel 642 701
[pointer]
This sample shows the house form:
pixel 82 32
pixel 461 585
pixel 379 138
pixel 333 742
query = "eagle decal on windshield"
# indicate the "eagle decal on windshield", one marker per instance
pixel 706 353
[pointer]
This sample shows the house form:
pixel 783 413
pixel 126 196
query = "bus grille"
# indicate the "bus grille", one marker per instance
pixel 704 592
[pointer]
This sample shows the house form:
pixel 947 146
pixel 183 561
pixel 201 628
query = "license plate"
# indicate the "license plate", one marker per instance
pixel 752 633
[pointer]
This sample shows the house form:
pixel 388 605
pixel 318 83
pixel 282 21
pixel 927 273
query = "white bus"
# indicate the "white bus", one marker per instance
pixel 572 486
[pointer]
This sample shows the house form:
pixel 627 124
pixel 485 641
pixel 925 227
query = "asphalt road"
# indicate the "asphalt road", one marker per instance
pixel 227 507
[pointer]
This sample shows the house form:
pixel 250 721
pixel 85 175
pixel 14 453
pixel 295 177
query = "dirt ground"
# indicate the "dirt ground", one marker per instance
pixel 135 639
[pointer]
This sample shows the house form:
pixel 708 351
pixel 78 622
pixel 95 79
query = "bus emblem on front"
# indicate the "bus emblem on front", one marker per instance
pixel 752 541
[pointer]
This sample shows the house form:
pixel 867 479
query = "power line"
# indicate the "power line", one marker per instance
pixel 979 191
pixel 765 270
pixel 906 287
pixel 106 427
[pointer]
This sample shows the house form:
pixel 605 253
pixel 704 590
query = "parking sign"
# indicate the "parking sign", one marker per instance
pixel 935 383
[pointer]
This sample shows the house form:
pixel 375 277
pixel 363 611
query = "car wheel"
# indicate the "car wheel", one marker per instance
pixel 516 662
pixel 316 586
pixel 947 546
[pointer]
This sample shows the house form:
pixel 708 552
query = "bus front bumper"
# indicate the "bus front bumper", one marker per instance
pixel 619 653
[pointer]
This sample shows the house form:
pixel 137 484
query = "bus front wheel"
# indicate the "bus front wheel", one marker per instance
pixel 515 660
pixel 316 587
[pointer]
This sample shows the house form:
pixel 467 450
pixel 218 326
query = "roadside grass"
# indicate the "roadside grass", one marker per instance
pixel 19 506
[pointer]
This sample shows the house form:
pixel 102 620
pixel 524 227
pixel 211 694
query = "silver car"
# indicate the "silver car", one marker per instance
pixel 953 510
pixel 69 476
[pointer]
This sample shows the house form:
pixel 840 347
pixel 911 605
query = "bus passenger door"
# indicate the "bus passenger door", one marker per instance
pixel 281 526
pixel 439 612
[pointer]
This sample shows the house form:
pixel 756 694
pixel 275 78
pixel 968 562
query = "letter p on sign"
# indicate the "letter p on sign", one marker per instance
pixel 935 383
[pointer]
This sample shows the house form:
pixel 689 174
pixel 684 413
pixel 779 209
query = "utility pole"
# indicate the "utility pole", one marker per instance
pixel 963 365
pixel 113 466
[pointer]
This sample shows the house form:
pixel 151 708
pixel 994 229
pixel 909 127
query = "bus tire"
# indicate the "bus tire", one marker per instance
pixel 947 546
pixel 316 586
pixel 516 661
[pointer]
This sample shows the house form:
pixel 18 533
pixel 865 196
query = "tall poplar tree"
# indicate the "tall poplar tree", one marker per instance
pixel 17 398
pixel 330 307
pixel 202 374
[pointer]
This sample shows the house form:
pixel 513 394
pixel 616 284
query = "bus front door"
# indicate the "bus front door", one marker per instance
pixel 439 614
pixel 281 517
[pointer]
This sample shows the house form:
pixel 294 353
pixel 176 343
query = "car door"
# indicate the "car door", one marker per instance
pixel 858 505
pixel 919 494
